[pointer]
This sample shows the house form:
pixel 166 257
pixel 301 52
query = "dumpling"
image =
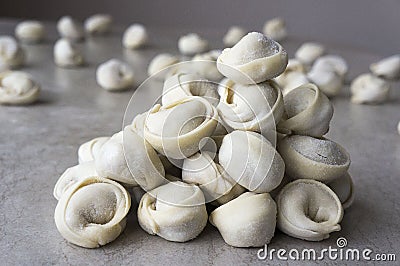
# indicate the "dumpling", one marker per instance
pixel 251 160
pixel 175 212
pixel 254 59
pixel 309 210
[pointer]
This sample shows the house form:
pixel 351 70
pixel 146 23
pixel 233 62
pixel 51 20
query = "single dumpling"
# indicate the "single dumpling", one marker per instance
pixel 369 89
pixel 247 221
pixel 92 212
pixel 275 29
pixel 334 63
pixel 66 54
pixel 308 52
pixel 175 212
pixel 250 107
pixel 254 59
pixel 387 68
pixel 309 210
pixel 143 161
pixel 135 36
pixel 30 31
pixel 115 75
pixel 307 111
pixel 191 44
pixel 251 160
pixel 328 77
pixel 11 53
pixel 18 88
pixel 313 158
pixel 128 158
pixel 111 162
pixel 234 34
pixel 161 62
pixel 176 129
pixel 98 24
pixel 70 28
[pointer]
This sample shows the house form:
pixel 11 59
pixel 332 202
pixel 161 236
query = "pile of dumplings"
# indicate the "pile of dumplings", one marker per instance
pixel 237 138
pixel 237 153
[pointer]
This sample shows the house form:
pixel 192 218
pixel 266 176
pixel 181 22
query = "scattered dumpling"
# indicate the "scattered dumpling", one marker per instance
pixel 369 89
pixel 234 34
pixel 334 63
pixel 92 212
pixel 251 160
pixel 11 54
pixel 66 54
pixel 308 52
pixel 135 36
pixel 181 86
pixel 175 212
pixel 115 75
pixel 70 28
pixel 307 111
pixel 98 24
pixel 388 68
pixel 344 189
pixel 329 82
pixel 30 31
pixel 200 169
pixel 254 59
pixel 73 175
pixel 90 149
pixel 328 74
pixel 313 158
pixel 191 44
pixel 275 29
pixel 247 221
pixel 176 129
pixel 309 210
pixel 161 62
pixel 18 88
pixel 255 107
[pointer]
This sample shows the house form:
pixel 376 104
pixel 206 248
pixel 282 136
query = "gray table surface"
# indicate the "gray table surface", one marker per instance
pixel 38 142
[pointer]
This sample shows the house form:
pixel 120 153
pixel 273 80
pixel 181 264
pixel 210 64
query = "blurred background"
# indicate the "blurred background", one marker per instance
pixel 365 24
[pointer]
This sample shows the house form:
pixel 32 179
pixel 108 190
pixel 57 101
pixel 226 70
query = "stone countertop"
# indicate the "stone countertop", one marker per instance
pixel 38 142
